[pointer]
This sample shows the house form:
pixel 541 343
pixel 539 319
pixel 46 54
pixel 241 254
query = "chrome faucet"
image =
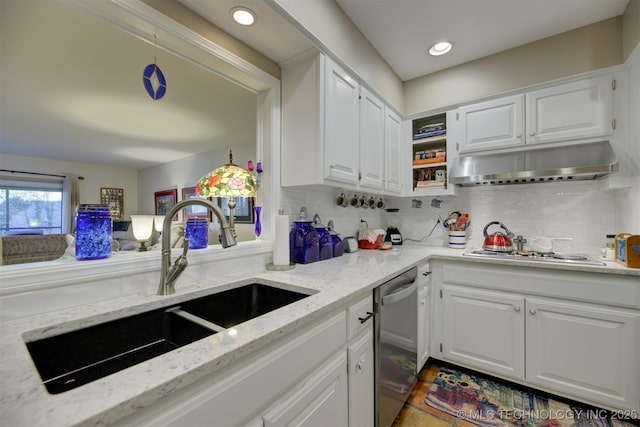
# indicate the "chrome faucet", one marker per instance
pixel 168 274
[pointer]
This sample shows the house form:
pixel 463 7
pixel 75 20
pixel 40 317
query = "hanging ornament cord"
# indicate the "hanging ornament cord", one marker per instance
pixel 154 82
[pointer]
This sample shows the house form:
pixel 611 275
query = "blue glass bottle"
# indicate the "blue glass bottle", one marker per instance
pixel 93 232
pixel 197 231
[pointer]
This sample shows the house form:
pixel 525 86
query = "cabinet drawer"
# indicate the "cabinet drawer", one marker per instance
pixel 355 315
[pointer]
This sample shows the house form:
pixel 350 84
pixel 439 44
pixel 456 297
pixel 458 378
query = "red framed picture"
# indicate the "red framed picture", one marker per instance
pixel 165 200
pixel 194 211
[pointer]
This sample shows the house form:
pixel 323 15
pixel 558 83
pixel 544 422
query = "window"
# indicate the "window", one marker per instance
pixel 30 206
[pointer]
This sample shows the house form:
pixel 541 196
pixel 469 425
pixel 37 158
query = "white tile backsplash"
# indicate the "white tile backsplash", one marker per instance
pixel 577 210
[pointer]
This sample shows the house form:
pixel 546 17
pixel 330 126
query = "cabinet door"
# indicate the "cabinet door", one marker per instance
pixel 371 140
pixel 361 386
pixel 584 350
pixel 575 110
pixel 341 127
pixel 492 124
pixel 392 148
pixel 321 399
pixel 484 330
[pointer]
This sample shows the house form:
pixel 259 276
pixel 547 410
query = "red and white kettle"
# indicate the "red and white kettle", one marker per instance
pixel 498 241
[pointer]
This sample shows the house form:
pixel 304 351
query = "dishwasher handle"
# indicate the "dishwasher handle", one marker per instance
pixel 400 294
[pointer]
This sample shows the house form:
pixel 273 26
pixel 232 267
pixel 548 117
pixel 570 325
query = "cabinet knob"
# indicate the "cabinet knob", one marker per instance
pixel 518 135
pixel 533 311
pixel 426 273
pixel 360 365
pixel 532 133
pixel 422 302
pixel 516 308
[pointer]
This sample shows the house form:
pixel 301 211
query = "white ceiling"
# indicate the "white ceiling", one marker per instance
pixel 403 30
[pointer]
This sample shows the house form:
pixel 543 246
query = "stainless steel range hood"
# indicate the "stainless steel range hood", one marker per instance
pixel 566 163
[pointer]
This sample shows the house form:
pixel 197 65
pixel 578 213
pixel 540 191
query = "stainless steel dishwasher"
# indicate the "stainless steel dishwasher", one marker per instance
pixel 396 340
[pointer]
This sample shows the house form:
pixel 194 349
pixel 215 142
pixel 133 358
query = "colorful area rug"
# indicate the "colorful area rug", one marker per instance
pixel 489 404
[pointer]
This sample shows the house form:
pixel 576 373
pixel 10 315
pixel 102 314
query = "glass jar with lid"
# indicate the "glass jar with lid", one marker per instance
pixel 93 232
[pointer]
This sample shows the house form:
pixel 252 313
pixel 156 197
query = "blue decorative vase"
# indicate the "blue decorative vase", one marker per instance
pixel 258 227
pixel 93 232
pixel 197 231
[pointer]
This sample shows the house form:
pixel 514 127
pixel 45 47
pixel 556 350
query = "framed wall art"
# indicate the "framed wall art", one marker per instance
pixel 194 211
pixel 243 212
pixel 165 200
pixel 114 198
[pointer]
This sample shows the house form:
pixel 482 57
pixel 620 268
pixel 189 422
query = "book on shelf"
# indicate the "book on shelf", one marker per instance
pixel 433 183
pixel 429 134
pixel 432 160
pixel 431 128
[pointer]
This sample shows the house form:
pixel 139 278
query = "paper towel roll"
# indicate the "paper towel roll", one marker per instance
pixel 281 241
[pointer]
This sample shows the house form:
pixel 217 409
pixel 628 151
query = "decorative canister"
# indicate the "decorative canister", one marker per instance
pixel 304 243
pixel 324 239
pixel 93 232
pixel 197 231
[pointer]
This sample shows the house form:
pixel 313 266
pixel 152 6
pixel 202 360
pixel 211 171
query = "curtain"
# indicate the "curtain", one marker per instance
pixel 70 199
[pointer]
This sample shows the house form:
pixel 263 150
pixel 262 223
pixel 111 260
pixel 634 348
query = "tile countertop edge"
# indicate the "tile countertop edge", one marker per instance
pixel 118 395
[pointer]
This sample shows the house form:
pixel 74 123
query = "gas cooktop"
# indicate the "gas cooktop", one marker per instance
pixel 562 258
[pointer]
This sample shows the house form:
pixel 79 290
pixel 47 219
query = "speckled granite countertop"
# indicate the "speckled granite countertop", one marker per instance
pixel 25 402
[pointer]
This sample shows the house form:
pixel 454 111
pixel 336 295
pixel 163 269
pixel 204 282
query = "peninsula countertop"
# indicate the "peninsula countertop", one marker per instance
pixel 334 284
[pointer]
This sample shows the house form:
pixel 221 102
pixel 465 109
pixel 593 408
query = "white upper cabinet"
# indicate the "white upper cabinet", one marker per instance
pixel 566 112
pixel 334 130
pixel 372 133
pixel 492 124
pixel 575 110
pixel 342 136
pixel 392 148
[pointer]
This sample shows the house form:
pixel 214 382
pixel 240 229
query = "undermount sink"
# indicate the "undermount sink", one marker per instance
pixel 75 358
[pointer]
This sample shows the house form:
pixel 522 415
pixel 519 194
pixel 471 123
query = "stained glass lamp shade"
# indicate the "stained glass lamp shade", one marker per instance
pixel 229 181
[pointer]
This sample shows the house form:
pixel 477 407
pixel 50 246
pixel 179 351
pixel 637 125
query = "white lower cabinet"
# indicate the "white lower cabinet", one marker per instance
pixel 484 329
pixel 583 349
pixel 574 334
pixel 361 390
pixel 321 399
pixel 361 363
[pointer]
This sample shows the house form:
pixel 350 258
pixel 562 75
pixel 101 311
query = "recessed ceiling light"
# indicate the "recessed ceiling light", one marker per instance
pixel 440 48
pixel 243 16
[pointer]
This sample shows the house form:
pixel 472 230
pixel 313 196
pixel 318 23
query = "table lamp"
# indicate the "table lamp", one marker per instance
pixel 230 181
pixel 142 229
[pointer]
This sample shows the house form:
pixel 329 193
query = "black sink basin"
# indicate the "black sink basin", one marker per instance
pixel 76 358
pixel 234 306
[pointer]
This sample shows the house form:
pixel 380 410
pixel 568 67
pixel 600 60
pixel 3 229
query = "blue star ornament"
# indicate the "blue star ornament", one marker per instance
pixel 154 81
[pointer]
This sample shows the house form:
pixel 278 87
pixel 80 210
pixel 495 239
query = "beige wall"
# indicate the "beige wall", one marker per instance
pixel 195 22
pixel 584 49
pixel 630 28
pixel 328 26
